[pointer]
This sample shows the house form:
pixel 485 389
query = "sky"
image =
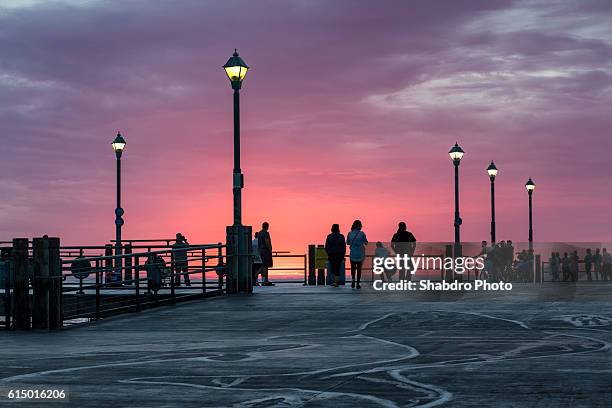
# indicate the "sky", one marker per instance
pixel 348 111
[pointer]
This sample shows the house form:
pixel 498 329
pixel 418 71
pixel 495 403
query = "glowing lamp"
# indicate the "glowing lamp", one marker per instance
pixel 456 153
pixel 492 170
pixel 236 69
pixel 530 186
pixel 118 144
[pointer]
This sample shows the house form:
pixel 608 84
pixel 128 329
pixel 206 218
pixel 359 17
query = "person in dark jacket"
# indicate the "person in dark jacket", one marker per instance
pixel 335 246
pixel 574 260
pixel 264 244
pixel 606 267
pixel 588 264
pixel 566 267
pixel 181 260
pixel 404 243
pixel 155 266
pixel 555 265
pixel 597 263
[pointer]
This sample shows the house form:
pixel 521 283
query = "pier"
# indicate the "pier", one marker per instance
pixel 299 346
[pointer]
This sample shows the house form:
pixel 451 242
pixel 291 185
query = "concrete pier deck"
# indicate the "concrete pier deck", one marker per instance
pixel 294 346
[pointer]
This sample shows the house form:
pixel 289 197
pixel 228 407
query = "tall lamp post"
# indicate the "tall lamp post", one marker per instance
pixel 118 146
pixel 236 70
pixel 238 235
pixel 492 170
pixel 456 153
pixel 530 186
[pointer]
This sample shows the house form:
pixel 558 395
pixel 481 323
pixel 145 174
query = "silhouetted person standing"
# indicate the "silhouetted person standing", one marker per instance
pixel 404 243
pixel 181 264
pixel 606 270
pixel 509 257
pixel 382 253
pixel 555 263
pixel 588 264
pixel 566 267
pixel 501 260
pixel 485 252
pixel 256 259
pixel 574 265
pixel 335 246
pixel 154 266
pixel 597 263
pixel 265 251
pixel 357 240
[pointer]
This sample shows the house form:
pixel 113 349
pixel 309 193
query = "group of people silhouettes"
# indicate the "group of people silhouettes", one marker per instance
pixel 566 268
pixel 500 260
pixel 403 242
pixel 157 270
pixel 501 264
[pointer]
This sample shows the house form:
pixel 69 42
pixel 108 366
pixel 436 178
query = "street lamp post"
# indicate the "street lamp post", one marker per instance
pixel 238 235
pixel 118 146
pixel 492 170
pixel 456 153
pixel 236 70
pixel 530 186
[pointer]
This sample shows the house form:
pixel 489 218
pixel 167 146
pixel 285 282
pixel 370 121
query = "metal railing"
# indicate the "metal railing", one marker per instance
pixel 277 274
pixel 97 286
pixel 600 275
pixel 95 283
pixel 299 266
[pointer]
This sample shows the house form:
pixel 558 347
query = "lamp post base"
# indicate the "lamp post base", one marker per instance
pixel 239 259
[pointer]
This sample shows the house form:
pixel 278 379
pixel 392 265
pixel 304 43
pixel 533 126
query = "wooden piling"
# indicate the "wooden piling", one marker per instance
pixel 56 306
pixel 320 271
pixel 312 277
pixel 40 283
pixel 8 287
pixel 22 311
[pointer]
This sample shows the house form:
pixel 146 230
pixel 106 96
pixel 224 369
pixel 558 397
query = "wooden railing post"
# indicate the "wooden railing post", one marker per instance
pixel 220 263
pixel 312 274
pixel 98 283
pixel 320 271
pixel 108 264
pixel 21 291
pixel 56 304
pixel 204 271
pixel 305 270
pixel 173 276
pixel 40 283
pixel 127 250
pixel 137 281
pixel 5 253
